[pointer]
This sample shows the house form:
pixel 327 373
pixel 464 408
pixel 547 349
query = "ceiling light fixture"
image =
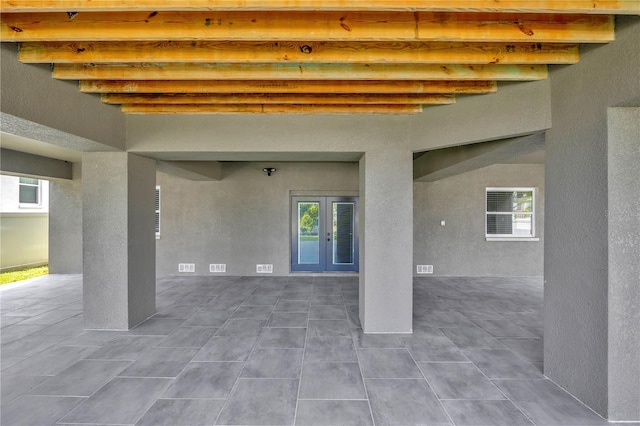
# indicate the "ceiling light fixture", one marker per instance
pixel 269 170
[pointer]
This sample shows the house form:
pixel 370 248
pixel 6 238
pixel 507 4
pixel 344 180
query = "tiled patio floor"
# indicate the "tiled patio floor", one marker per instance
pixel 280 351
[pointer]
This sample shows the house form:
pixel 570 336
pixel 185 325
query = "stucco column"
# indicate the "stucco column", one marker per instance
pixel 118 234
pixel 591 172
pixel 65 224
pixel 623 178
pixel 386 241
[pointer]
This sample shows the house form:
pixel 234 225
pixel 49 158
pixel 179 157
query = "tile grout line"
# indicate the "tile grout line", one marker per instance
pixel 499 390
pixel 223 324
pixel 430 387
pixel 253 348
pixel 173 379
pixel 355 348
pixel 304 352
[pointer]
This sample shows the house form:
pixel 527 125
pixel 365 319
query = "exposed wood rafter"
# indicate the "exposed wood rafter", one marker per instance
pixel 311 26
pixel 280 98
pixel 302 56
pixel 288 86
pixel 538 6
pixel 312 52
pixel 298 72
pixel 271 109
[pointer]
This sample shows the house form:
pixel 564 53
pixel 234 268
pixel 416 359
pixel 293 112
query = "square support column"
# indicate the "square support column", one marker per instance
pixel 386 241
pixel 591 173
pixel 118 195
pixel 65 224
pixel 624 263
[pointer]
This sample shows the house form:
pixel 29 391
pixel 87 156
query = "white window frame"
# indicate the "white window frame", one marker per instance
pixel 507 237
pixel 37 204
pixel 157 211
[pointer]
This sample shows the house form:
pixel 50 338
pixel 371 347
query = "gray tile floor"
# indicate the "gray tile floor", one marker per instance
pixel 281 351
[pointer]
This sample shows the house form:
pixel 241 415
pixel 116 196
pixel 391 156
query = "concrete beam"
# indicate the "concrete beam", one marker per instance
pixel 192 170
pixel 517 109
pixel 38 107
pixel 11 124
pixel 447 162
pixel 20 163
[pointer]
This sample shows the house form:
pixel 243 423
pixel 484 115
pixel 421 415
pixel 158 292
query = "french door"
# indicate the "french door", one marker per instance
pixel 324 234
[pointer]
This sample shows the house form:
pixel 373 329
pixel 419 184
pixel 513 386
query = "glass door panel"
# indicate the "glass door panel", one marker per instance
pixel 342 221
pixel 308 233
pixel 324 234
pixel 343 227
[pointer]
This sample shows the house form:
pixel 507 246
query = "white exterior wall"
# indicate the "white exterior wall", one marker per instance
pixel 10 203
pixel 24 230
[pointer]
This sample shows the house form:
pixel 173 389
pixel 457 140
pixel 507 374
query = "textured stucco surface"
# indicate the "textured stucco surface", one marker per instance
pixel 20 163
pixel 576 243
pixel 141 242
pixel 242 220
pixel 460 248
pixel 281 134
pixel 65 224
pixel 516 109
pixel 118 239
pixel 38 107
pixel 447 162
pixel 386 205
pixel 624 263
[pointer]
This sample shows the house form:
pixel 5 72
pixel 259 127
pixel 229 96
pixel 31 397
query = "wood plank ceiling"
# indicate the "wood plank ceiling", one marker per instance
pixel 301 56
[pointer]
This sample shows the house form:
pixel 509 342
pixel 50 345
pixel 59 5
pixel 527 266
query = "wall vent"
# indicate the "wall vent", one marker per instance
pixel 425 269
pixel 218 267
pixel 264 269
pixel 186 267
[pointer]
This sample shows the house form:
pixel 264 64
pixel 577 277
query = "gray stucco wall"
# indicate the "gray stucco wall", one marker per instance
pixel 624 263
pixel 30 95
pixel 242 220
pixel 65 224
pixel 518 108
pixel 576 244
pixel 459 248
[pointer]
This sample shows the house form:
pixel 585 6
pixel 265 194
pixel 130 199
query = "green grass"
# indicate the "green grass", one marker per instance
pixel 308 238
pixel 23 274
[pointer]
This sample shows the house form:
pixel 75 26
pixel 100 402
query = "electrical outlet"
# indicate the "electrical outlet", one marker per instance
pixel 186 267
pixel 425 269
pixel 264 269
pixel 218 267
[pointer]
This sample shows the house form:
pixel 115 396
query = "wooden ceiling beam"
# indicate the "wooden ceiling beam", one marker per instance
pixel 298 72
pixel 270 109
pixel 533 6
pixel 292 51
pixel 294 98
pixel 290 86
pixel 317 26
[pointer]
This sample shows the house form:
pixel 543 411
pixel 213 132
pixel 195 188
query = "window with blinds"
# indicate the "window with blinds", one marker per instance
pixel 510 212
pixel 157 212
